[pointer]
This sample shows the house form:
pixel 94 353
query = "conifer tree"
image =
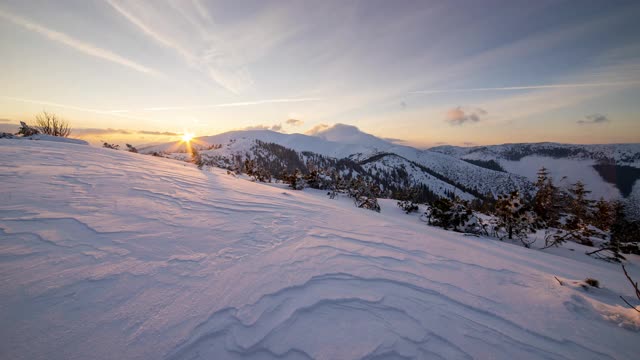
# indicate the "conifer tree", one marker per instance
pixel 449 213
pixel 547 202
pixel 514 217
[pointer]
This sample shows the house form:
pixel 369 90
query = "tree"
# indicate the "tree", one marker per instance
pixel 365 194
pixel 50 124
pixel 196 158
pixel 110 146
pixel 579 215
pixel 407 199
pixel 634 284
pixel 603 215
pixel 449 213
pixel 131 148
pixel 295 180
pixel 547 201
pixel 514 217
pixel 26 130
pixel 623 238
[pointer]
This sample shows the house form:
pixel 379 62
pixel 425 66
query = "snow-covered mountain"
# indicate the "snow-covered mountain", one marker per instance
pixel 347 142
pixel 611 171
pixel 107 254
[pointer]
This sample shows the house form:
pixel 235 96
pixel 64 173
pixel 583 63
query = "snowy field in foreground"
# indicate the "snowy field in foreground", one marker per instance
pixel 111 255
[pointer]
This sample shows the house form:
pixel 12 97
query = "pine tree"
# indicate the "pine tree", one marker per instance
pixel 603 215
pixel 547 201
pixel 513 217
pixel 295 180
pixel 196 158
pixel 407 199
pixel 26 130
pixel 365 194
pixel 579 214
pixel 449 213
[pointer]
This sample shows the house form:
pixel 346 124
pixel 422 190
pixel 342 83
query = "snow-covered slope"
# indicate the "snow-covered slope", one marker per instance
pixel 627 154
pixel 568 163
pixel 110 255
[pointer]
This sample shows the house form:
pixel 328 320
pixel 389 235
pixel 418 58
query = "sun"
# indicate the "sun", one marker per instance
pixel 187 136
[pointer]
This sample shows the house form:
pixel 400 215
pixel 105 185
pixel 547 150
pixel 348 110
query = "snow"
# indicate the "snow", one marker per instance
pixel 571 170
pixel 343 141
pixel 107 255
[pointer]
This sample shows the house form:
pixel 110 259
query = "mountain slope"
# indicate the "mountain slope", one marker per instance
pixel 358 147
pixel 109 255
pixel 611 171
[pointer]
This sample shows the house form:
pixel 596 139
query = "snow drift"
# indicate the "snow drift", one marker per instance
pixel 108 255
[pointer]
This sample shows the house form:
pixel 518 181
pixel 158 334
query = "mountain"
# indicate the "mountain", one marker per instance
pixel 439 172
pixel 108 254
pixel 611 171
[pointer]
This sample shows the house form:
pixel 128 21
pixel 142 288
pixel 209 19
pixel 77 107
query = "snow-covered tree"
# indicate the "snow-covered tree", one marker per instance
pixel 407 199
pixel 110 146
pixel 295 180
pixel 513 217
pixel 547 203
pixel 603 215
pixel 579 214
pixel 365 193
pixel 26 130
pixel 449 213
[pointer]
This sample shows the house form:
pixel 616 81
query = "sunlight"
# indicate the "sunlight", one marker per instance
pixel 187 136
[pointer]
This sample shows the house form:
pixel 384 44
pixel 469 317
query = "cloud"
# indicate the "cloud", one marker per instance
pixel 395 140
pixel 276 127
pixel 5 121
pixel 530 87
pixel 78 45
pixel 95 131
pixel 208 54
pixel 212 106
pixel 459 116
pixel 72 107
pixel 594 119
pixel 294 122
pixel 109 131
pixel 158 133
pixel 469 143
pixel 9 128
pixel 317 129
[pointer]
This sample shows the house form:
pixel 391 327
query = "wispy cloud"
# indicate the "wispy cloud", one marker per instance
pixel 594 119
pixel 530 87
pixel 109 131
pixel 76 44
pixel 201 49
pixel 158 133
pixel 70 107
pixel 233 104
pixel 5 121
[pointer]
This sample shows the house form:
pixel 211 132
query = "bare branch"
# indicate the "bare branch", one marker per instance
pixel 635 286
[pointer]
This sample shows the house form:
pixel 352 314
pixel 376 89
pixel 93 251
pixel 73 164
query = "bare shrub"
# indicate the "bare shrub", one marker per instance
pixel 50 124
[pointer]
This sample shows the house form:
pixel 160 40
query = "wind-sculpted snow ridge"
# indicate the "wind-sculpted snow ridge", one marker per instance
pixel 111 255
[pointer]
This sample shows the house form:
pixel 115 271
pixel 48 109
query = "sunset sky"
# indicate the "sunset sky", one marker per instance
pixel 425 72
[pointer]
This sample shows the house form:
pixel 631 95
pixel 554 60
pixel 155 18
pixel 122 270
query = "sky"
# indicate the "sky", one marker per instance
pixel 422 72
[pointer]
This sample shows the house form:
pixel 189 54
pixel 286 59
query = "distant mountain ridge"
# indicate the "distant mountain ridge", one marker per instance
pixel 442 174
pixel 469 172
